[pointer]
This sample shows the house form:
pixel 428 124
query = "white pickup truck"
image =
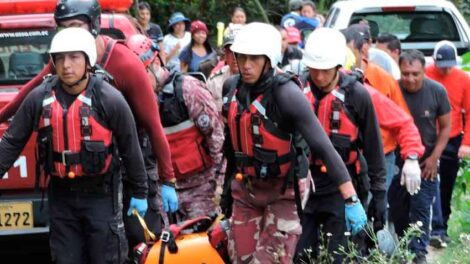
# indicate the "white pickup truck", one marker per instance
pixel 419 24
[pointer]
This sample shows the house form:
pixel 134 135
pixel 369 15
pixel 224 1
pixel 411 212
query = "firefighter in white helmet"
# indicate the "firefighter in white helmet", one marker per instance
pixel 265 109
pixel 82 122
pixel 346 113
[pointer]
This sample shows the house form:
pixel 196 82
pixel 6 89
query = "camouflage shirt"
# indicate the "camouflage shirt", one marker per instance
pixel 215 84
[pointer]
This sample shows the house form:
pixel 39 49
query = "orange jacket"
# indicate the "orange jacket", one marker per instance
pixel 396 123
pixel 388 86
pixel 457 84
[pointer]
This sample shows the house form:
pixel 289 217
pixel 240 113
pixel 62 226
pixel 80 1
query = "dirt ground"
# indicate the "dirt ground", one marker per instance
pixel 434 254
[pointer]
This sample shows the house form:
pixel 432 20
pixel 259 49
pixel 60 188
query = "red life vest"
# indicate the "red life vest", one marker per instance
pixel 261 148
pixel 188 153
pixel 336 121
pixel 80 144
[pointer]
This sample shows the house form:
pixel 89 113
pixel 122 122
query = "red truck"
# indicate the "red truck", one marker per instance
pixel 26 31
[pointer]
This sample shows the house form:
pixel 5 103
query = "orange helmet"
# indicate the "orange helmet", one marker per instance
pixel 146 49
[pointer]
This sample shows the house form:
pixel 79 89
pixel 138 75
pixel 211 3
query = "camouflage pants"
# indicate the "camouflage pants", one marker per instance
pixel 264 227
pixel 197 201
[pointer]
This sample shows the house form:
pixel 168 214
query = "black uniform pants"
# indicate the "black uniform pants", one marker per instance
pixel 448 169
pixel 323 223
pixel 85 227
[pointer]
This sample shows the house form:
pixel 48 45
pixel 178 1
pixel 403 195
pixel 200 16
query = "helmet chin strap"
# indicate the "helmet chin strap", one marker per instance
pixel 327 86
pixel 84 77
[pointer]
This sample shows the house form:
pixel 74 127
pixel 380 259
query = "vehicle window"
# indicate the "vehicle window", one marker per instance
pixel 23 54
pixel 331 18
pixel 411 26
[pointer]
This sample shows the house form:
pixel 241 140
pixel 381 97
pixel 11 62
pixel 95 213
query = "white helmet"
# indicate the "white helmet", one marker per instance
pixel 259 39
pixel 74 39
pixel 325 49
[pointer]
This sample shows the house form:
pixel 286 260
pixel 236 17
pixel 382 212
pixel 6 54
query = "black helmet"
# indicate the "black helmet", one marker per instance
pixel 68 9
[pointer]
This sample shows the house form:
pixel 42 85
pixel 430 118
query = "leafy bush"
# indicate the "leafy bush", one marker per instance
pixel 351 254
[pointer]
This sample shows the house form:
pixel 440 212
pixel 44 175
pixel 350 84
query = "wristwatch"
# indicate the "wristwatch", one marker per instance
pixel 352 200
pixel 413 156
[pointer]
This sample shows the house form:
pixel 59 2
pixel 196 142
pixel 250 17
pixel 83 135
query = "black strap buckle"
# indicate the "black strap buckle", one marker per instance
pixel 165 236
pixel 256 120
pixel 85 111
pixel 47 112
pixel 335 124
pixel 85 131
pixel 64 157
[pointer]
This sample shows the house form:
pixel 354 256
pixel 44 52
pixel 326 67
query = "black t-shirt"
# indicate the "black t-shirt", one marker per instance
pixel 155 32
pixel 426 106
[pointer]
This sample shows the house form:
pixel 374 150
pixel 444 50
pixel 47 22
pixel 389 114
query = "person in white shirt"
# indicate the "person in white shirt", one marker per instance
pixel 176 40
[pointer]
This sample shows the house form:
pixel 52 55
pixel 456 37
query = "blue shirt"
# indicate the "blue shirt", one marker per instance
pixel 192 59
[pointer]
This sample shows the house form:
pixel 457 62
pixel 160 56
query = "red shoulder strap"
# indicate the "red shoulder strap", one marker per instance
pixel 109 44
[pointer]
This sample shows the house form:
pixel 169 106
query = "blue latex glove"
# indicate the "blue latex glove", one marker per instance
pixel 170 200
pixel 356 217
pixel 139 204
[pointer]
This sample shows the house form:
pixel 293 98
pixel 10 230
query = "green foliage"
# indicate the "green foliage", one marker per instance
pixel 464 8
pixel 466 62
pixel 400 255
pixel 352 255
pixel 457 252
pixel 212 11
pixel 459 222
pixel 460 219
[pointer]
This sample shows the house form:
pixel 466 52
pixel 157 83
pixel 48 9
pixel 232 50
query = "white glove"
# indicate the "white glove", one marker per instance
pixel 411 176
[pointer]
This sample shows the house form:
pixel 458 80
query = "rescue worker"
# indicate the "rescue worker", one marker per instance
pixel 128 76
pixel 193 128
pixel 216 80
pixel 399 124
pixel 358 38
pixel 82 122
pixel 345 110
pixel 264 110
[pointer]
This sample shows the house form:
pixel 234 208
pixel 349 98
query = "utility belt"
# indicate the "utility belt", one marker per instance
pixel 266 163
pixel 346 149
pixel 92 157
pixel 358 171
